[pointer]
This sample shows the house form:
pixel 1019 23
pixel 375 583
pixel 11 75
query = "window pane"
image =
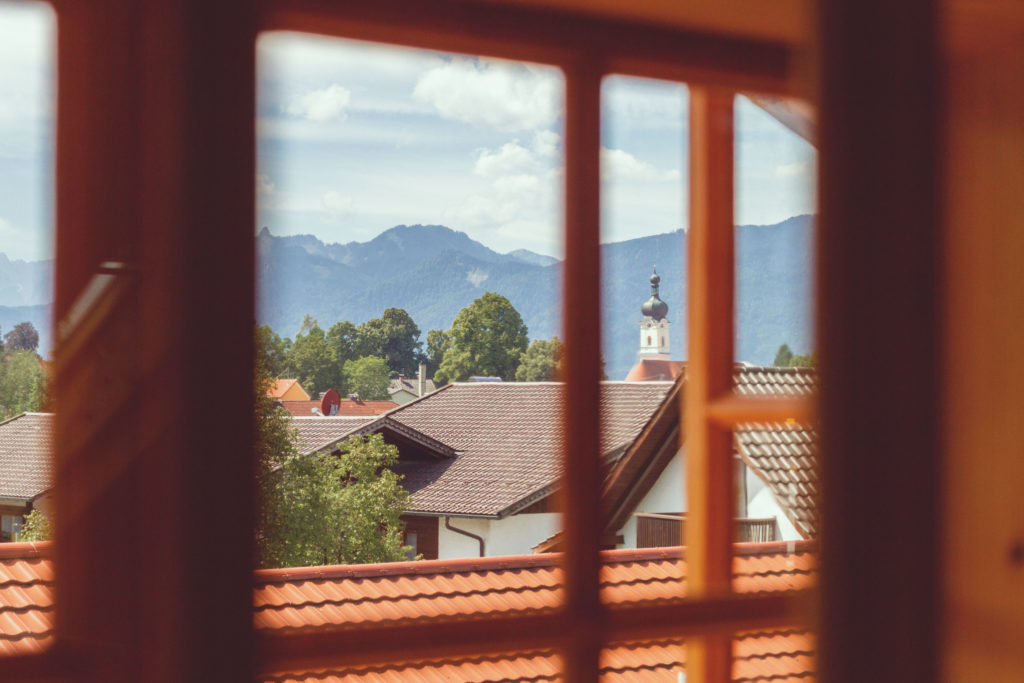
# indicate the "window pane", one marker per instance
pixel 26 309
pixel 410 248
pixel 775 217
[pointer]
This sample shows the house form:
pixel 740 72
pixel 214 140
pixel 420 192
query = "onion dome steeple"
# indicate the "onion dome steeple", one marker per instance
pixel 654 307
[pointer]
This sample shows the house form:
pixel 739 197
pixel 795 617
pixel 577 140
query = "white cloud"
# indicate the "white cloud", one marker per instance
pixel 325 104
pixel 546 144
pixel 795 169
pixel 338 207
pixel 264 185
pixel 620 165
pixel 506 96
pixel 511 158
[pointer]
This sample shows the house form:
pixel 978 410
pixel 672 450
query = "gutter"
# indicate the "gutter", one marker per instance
pixel 463 532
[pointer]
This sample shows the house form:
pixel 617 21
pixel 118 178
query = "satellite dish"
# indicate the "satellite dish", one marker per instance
pixel 331 402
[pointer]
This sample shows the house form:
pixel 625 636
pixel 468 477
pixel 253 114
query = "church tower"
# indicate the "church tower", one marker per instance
pixel 654 325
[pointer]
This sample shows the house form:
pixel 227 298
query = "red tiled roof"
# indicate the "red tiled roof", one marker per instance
pixel 508 439
pixel 345 408
pixel 281 386
pixel 311 598
pixel 26 467
pixel 653 369
pixel 26 598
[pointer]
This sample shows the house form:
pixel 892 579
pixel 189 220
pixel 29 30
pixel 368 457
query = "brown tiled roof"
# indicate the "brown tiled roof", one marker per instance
pixel 346 408
pixel 654 369
pixel 508 439
pixel 311 598
pixel 784 457
pixel 26 467
pixel 768 381
pixel 319 432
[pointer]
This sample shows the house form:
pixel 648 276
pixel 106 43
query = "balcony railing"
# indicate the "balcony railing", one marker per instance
pixel 655 530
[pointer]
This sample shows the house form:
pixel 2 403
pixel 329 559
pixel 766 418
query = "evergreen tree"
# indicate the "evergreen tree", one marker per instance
pixel 783 356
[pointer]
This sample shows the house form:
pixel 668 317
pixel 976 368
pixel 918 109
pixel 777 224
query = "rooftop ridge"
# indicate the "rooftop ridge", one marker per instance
pixel 26 550
pixel 421 567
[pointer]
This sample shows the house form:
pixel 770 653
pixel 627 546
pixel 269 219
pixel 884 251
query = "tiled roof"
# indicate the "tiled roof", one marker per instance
pixel 281 386
pixel 310 598
pixel 317 432
pixel 762 657
pixel 508 439
pixel 410 384
pixel 345 408
pixel 784 457
pixel 652 369
pixel 26 598
pixel 767 381
pixel 26 467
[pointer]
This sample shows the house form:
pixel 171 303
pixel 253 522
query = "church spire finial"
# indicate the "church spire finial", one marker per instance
pixel 655 307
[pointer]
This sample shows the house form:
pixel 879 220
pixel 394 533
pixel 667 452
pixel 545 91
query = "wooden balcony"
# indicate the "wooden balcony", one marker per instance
pixel 655 530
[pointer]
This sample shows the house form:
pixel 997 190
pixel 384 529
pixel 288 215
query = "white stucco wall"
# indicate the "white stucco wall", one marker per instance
pixel 667 495
pixel 514 535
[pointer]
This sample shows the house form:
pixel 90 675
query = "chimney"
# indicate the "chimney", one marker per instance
pixel 422 377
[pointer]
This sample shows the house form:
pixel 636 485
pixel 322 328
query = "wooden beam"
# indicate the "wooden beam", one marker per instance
pixel 582 325
pixel 548 35
pixel 709 462
pixel 878 332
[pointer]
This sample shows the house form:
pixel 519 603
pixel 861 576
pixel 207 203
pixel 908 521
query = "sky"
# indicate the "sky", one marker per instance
pixel 354 138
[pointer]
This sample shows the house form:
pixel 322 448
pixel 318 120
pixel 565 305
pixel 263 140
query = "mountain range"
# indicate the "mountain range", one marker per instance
pixel 432 271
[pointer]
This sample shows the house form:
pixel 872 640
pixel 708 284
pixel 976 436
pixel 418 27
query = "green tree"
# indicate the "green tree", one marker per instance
pixel 276 349
pixel 342 339
pixel 487 338
pixel 22 383
pixel 323 508
pixel 311 361
pixel 803 360
pixel 369 377
pixel 542 361
pixel 437 344
pixel 23 337
pixel 37 527
pixel 783 356
pixel 394 337
pixel 341 507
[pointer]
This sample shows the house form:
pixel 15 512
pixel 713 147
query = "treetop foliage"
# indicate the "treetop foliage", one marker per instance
pixel 785 358
pixel 486 338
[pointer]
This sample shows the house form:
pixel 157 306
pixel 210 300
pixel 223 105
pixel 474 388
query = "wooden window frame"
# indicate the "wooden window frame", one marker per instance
pixel 155 167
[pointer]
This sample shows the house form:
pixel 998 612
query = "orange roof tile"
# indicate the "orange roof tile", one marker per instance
pixel 313 597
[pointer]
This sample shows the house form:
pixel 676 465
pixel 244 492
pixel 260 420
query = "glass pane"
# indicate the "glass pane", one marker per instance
pixel 643 214
pixel 775 215
pixel 410 247
pixel 26 309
